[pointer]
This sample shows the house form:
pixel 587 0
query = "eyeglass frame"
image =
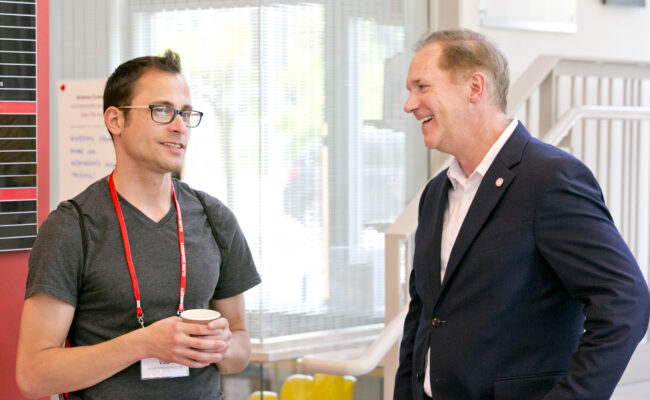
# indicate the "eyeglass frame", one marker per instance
pixel 176 112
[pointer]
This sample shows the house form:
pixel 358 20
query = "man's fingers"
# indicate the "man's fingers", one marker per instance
pixel 219 323
pixel 203 330
pixel 199 359
pixel 213 344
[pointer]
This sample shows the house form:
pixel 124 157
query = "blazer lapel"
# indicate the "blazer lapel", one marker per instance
pixel 494 184
pixel 437 234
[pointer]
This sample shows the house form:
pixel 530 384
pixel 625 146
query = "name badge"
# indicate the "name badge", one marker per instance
pixel 153 368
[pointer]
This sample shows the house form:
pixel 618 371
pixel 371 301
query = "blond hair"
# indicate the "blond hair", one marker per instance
pixel 464 52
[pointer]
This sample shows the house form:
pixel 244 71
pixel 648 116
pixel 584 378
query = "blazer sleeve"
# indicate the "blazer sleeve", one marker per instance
pixel 576 236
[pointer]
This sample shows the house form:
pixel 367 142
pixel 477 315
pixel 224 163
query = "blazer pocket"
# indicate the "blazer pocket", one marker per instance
pixel 529 387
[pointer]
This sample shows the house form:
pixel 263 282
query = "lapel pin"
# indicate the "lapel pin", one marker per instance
pixel 499 182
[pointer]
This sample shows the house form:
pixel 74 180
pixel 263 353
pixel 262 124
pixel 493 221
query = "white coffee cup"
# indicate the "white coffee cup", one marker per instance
pixel 199 316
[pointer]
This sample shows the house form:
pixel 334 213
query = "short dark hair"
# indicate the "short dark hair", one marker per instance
pixel 119 86
pixel 464 51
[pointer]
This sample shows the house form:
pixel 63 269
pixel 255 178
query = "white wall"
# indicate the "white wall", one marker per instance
pixel 80 51
pixel 612 32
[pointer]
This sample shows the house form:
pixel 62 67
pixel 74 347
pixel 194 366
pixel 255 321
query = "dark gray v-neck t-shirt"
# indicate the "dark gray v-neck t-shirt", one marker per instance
pixel 101 291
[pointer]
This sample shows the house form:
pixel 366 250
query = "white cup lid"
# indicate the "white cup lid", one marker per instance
pixel 200 314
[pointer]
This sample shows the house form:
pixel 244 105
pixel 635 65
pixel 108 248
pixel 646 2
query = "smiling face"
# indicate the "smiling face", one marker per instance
pixel 144 144
pixel 436 100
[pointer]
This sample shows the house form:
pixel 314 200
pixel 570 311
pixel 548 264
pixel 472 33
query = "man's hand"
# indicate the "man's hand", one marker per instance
pixel 222 335
pixel 234 336
pixel 193 345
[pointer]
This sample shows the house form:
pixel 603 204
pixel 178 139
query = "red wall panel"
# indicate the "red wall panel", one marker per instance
pixel 13 264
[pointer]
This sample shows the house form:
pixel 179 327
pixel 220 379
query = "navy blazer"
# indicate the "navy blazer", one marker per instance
pixel 541 297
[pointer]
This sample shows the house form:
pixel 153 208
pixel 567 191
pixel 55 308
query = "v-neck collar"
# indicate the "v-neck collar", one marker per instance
pixel 171 213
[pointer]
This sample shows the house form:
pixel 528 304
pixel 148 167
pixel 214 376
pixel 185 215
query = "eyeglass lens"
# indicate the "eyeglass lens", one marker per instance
pixel 166 114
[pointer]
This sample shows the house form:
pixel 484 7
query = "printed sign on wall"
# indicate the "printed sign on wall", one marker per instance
pixel 86 151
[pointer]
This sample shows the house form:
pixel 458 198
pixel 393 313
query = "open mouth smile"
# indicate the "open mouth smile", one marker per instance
pixel 174 145
pixel 426 119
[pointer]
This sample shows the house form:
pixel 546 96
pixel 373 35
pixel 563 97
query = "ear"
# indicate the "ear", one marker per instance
pixel 114 120
pixel 477 87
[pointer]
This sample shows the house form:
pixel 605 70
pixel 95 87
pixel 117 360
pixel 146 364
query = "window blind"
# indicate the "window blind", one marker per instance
pixel 303 137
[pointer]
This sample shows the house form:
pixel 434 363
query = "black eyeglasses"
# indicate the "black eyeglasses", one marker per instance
pixel 165 114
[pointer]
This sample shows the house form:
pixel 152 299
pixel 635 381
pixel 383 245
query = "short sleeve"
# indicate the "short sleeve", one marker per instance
pixel 56 259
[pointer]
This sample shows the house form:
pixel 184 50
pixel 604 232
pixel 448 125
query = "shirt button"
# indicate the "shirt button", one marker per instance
pixel 436 322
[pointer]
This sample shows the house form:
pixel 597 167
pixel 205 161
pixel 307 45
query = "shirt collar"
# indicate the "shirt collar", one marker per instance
pixel 456 174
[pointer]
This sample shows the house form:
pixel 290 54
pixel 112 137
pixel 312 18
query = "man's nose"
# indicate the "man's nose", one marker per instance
pixel 410 105
pixel 177 124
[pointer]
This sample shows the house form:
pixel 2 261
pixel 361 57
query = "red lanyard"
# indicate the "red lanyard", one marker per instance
pixel 129 260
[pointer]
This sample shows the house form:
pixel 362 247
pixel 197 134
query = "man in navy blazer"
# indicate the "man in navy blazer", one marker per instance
pixel 522 287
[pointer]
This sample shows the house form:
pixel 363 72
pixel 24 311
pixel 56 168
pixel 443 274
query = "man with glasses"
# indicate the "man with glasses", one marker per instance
pixel 111 269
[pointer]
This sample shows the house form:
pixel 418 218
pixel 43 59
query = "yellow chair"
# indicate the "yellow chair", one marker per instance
pixel 348 387
pixel 332 387
pixel 266 395
pixel 297 387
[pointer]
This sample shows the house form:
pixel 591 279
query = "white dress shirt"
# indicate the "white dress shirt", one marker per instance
pixel 459 198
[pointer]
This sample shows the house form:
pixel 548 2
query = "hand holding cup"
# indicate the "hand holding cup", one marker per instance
pixel 203 317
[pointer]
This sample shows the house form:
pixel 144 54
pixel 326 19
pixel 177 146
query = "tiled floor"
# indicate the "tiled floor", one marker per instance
pixel 632 391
